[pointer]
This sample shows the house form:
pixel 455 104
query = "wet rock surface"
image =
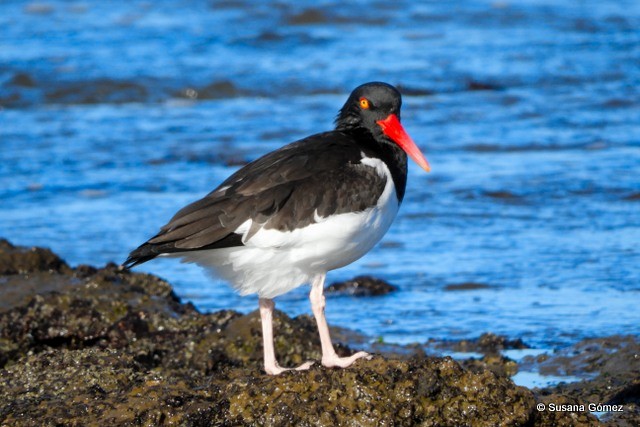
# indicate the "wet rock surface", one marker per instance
pixel 18 259
pixel 489 346
pixel 362 286
pixel 97 346
pixel 611 366
pixel 487 343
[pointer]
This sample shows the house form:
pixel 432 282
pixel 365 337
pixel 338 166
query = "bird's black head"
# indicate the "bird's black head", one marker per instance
pixel 376 107
pixel 367 104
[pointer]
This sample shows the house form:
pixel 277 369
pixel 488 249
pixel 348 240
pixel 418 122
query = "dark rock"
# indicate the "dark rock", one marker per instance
pixel 362 286
pixel 23 80
pixel 475 85
pixel 21 260
pixel 466 286
pixel 107 386
pixel 612 368
pixel 491 343
pixel 496 363
pixel 97 91
pixel 487 343
pixel 106 346
pixel 615 356
pixel 501 194
pixel 490 346
pixel 375 392
pixel 215 90
pixel 559 418
pixel 308 17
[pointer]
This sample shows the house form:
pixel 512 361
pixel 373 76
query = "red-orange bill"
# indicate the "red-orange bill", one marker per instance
pixel 393 129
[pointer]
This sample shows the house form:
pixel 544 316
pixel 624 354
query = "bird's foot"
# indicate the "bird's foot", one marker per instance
pixel 276 369
pixel 335 361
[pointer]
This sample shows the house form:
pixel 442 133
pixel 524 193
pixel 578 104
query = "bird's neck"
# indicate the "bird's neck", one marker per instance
pixel 389 152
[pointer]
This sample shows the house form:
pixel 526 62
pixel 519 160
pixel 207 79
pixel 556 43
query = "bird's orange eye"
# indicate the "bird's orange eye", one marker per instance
pixel 364 103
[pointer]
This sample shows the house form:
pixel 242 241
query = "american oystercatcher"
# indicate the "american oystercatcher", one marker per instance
pixel 289 217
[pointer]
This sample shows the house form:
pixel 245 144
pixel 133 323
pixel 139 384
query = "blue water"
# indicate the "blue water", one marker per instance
pixel 114 115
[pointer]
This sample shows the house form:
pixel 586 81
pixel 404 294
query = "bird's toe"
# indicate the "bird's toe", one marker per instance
pixel 334 361
pixel 276 369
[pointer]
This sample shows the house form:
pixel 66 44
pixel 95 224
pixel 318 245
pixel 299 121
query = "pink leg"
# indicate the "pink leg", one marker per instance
pixel 270 363
pixel 329 356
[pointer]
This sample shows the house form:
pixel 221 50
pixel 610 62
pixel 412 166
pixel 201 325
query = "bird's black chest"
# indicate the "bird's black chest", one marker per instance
pixel 391 155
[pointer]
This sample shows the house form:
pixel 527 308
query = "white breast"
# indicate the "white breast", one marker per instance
pixel 273 262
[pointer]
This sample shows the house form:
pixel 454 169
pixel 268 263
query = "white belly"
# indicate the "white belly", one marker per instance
pixel 273 262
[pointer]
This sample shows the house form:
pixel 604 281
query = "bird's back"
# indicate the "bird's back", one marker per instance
pixel 288 189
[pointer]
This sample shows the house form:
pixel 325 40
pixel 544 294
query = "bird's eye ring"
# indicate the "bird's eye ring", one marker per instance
pixel 364 103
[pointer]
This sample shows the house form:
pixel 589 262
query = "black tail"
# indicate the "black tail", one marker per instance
pixel 145 252
pixel 148 251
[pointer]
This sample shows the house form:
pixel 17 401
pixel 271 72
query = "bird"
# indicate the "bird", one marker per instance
pixel 287 218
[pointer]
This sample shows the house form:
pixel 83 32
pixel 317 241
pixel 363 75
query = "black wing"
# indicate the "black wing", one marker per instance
pixel 285 189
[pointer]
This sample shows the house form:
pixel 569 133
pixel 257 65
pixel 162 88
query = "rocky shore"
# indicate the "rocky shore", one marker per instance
pixel 89 346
